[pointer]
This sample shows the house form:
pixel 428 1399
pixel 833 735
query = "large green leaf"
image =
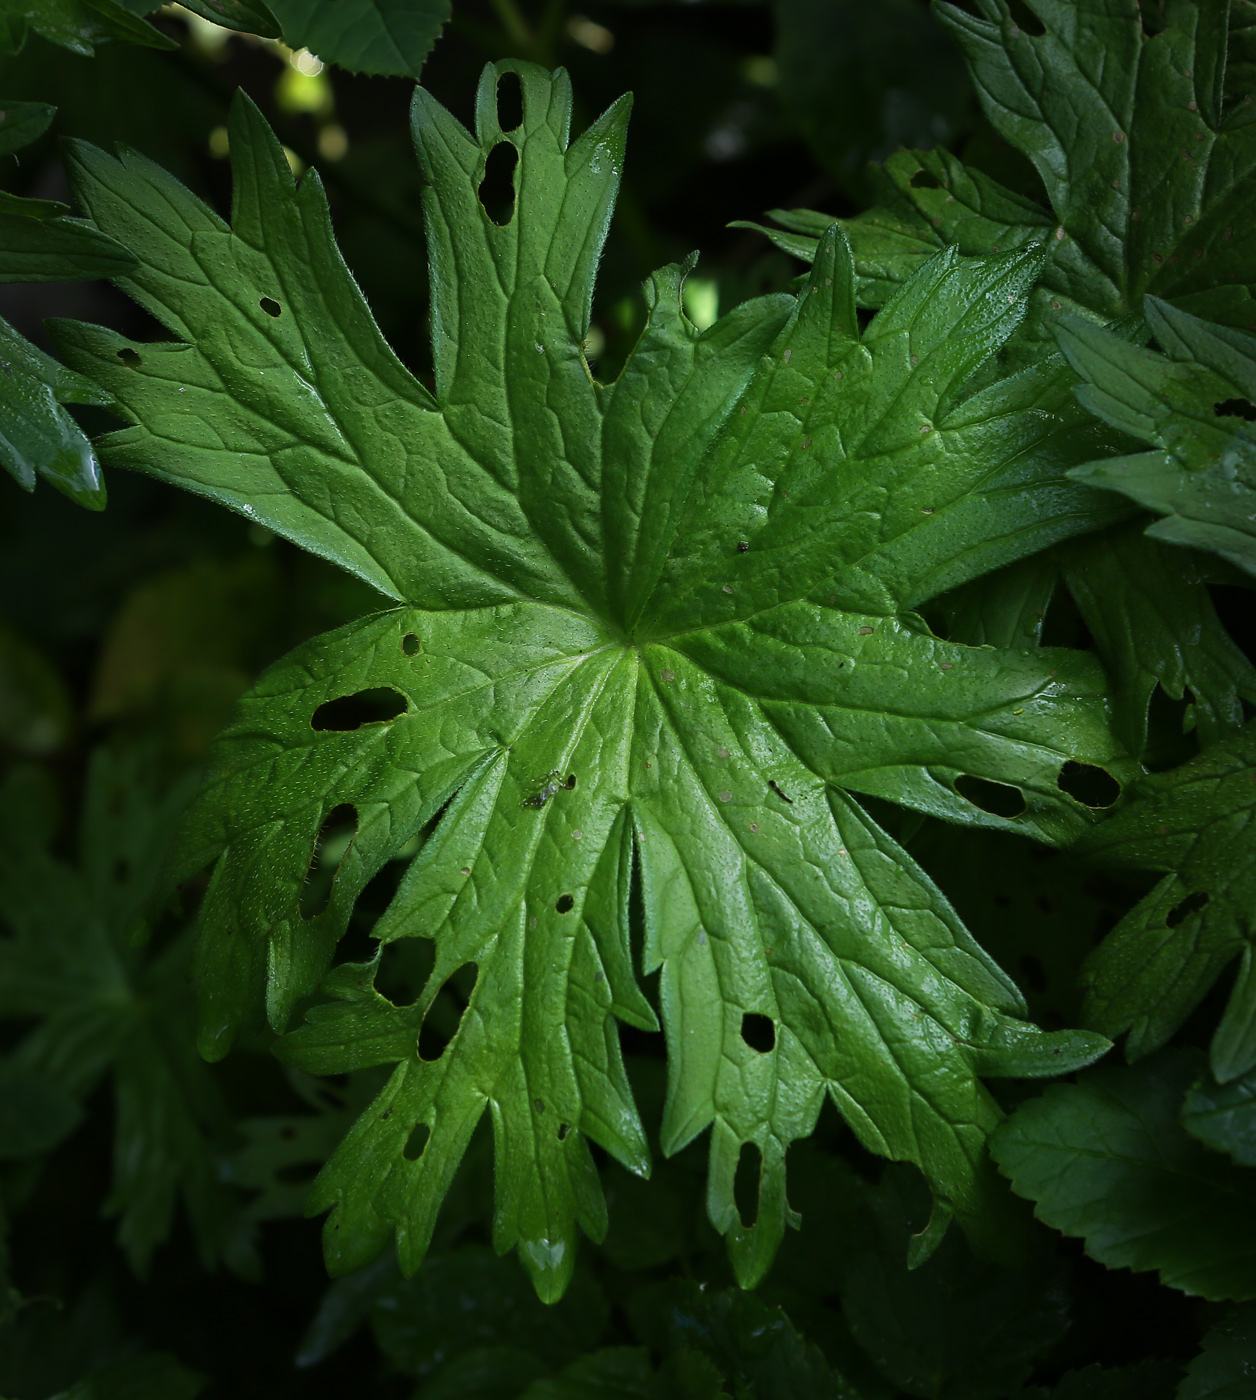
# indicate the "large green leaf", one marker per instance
pixel 1145 154
pixel 1107 1159
pixel 1158 963
pixel 656 630
pixel 1195 406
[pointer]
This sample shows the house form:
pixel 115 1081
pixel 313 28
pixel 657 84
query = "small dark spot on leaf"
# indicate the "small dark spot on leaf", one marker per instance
pixel 758 1031
pixel 349 712
pixel 416 1142
pixel 742 546
pixel 999 799
pixel 539 1105
pixel 564 904
pixel 775 786
pixel 1192 904
pixel 746 1183
pixel 497 188
pixel 509 101
pixel 563 1130
pixel 1088 784
pixel 270 306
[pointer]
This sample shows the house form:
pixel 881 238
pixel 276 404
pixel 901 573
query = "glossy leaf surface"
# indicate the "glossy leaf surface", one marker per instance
pixel 1195 406
pixel 654 631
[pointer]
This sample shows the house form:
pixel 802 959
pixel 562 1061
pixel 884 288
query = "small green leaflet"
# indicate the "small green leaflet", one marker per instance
pixel 688 596
pixel 37 436
pixel 1196 405
pixel 1145 153
pixel 1107 1159
pixel 1161 959
pixel 1223 1116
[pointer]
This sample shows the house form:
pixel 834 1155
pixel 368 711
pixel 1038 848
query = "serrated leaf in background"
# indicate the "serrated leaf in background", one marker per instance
pixel 613 669
pixel 1161 959
pixel 945 1326
pixel 73 961
pixel 863 80
pixel 365 36
pixel 1146 162
pixel 1195 405
pixel 753 1346
pixel 1225 1368
pixel 1223 1116
pixel 1107 1159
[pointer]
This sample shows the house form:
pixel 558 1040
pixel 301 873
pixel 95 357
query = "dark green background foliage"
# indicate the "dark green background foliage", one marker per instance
pixel 936 548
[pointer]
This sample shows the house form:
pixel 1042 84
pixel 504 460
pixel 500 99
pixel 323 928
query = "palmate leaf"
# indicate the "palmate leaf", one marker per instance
pixel 1145 152
pixel 1194 405
pixel 1195 822
pixel 657 629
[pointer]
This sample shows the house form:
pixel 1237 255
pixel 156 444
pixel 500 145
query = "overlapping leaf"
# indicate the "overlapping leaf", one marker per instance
pixel 1145 150
pixel 1153 621
pixel 1106 1159
pixel 1195 405
pixel 1196 823
pixel 658 630
pixel 39 244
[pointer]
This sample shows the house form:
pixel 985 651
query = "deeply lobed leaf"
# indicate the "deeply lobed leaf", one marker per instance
pixel 658 630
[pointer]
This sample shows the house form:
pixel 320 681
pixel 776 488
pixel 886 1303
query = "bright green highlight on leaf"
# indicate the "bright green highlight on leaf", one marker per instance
pixel 653 631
